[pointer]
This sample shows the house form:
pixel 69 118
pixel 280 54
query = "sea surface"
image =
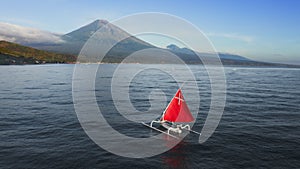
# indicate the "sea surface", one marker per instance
pixel 260 126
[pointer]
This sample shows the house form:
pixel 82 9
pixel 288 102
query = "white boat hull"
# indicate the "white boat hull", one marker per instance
pixel 174 129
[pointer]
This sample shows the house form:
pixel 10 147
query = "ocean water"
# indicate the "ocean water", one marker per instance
pixel 260 127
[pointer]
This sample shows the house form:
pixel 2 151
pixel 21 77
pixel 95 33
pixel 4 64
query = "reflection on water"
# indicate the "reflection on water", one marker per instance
pixel 175 158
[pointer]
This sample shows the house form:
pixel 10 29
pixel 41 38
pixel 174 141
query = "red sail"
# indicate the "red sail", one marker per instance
pixel 177 110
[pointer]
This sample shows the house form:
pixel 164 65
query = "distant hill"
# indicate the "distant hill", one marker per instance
pixel 12 53
pixel 192 57
pixel 186 51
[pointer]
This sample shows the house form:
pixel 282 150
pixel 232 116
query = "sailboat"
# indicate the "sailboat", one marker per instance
pixel 175 117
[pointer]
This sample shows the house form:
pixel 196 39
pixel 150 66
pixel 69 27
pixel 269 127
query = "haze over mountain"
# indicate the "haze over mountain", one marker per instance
pixel 27 36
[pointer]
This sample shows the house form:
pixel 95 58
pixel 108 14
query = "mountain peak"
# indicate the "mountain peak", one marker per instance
pixel 177 49
pixel 86 31
pixel 103 21
pixel 172 47
pixel 98 23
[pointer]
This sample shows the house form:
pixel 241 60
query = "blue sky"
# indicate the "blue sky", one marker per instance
pixel 263 30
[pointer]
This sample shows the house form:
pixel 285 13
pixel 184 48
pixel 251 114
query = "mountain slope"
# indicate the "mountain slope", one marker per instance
pixel 12 53
pixel 70 43
pixel 74 41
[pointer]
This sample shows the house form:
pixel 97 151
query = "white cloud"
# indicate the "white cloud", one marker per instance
pixel 23 35
pixel 233 36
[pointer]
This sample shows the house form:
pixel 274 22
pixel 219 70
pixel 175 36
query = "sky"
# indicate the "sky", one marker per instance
pixel 263 30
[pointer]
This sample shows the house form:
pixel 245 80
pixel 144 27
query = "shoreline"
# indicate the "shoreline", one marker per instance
pixel 224 65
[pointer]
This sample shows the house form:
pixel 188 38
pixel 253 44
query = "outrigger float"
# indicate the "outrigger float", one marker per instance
pixel 175 117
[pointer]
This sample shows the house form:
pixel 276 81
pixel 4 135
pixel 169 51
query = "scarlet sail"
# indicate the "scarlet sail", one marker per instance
pixel 177 110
